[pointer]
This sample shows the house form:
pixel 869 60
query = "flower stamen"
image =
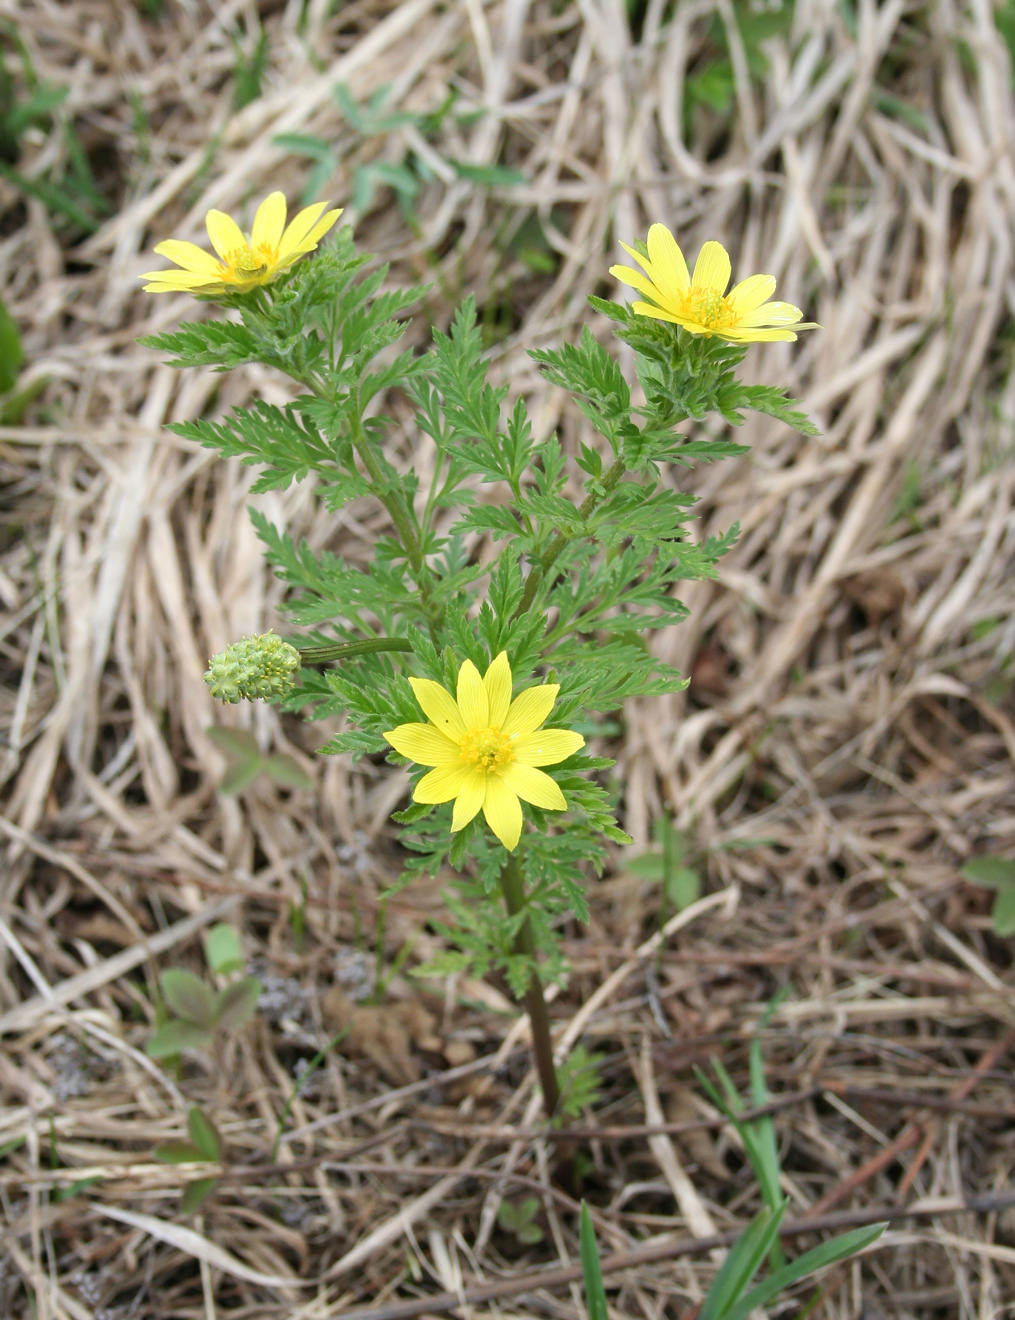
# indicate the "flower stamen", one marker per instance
pixel 709 309
pixel 486 749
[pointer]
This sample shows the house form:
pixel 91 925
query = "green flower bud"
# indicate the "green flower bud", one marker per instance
pixel 254 667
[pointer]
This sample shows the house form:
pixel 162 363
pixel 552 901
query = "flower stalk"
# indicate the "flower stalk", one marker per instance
pixel 512 886
pixel 320 655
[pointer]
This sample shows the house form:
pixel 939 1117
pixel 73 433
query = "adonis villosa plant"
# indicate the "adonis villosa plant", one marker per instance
pixel 485 672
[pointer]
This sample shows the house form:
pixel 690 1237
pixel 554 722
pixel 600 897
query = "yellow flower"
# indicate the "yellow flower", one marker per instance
pixel 486 748
pixel 700 302
pixel 245 262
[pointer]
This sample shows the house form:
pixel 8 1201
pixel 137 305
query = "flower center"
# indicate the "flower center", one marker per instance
pixel 709 309
pixel 244 262
pixel 486 749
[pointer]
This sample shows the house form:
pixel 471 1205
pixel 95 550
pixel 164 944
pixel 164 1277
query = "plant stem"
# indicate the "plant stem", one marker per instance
pixel 513 887
pixel 401 515
pixel 318 655
pixel 560 540
pixel 395 506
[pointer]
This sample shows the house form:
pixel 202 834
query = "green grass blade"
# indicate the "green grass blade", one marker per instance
pixel 308 1072
pixel 826 1254
pixel 741 1263
pixel 595 1293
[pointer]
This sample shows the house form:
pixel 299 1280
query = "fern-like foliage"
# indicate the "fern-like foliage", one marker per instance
pixel 566 561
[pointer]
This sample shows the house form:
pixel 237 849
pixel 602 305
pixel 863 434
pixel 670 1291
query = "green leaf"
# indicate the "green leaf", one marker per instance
pixel 1003 915
pixel 179 1152
pixel 204 1134
pixel 994 872
pixel 222 950
pixel 175 1036
pixel 235 1005
pixel 646 866
pixel 248 71
pixel 240 743
pixel 305 144
pixel 741 1264
pixel 713 86
pixel 51 195
pixel 579 1081
pixel 196 1193
pixel 188 996
pixel 492 176
pixel 239 776
pixel 75 1188
pixel 592 1274
pixel 683 887
pixel 14 407
pixel 288 771
pixel 826 1254
pixel 218 344
pixel 11 355
pixel 519 1220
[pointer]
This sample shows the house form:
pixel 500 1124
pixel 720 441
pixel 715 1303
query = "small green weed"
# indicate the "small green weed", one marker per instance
pixel 1004 18
pixel 667 865
pixel 997 873
pixel 405 176
pixel 910 497
pixel 712 84
pixel 247 762
pixel 579 1083
pixel 248 70
pixel 69 191
pixel 757 1134
pixel 14 402
pixel 192 1012
pixel 731 1296
pixel 11 353
pixel 205 1146
pixel 519 1220
pixel 74 1188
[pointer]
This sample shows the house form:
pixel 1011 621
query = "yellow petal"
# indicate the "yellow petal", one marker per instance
pixel 497 681
pixel 225 234
pixel 442 784
pixel 644 262
pixel 712 269
pixel 298 231
pixel 423 744
pixel 269 222
pixel 469 800
pixel 322 227
pixel 636 280
pixel 669 269
pixel 547 747
pixel 503 812
pixel 749 294
pixel 749 336
pixel 529 709
pixel 770 315
pixel 177 281
pixel 438 706
pixel 189 256
pixel 472 700
pixel 533 786
pixel 657 314
pixel 289 254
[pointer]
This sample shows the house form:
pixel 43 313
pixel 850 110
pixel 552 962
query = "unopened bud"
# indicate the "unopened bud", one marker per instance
pixel 254 667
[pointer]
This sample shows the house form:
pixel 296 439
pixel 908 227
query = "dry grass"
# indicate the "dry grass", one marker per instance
pixel 847 739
